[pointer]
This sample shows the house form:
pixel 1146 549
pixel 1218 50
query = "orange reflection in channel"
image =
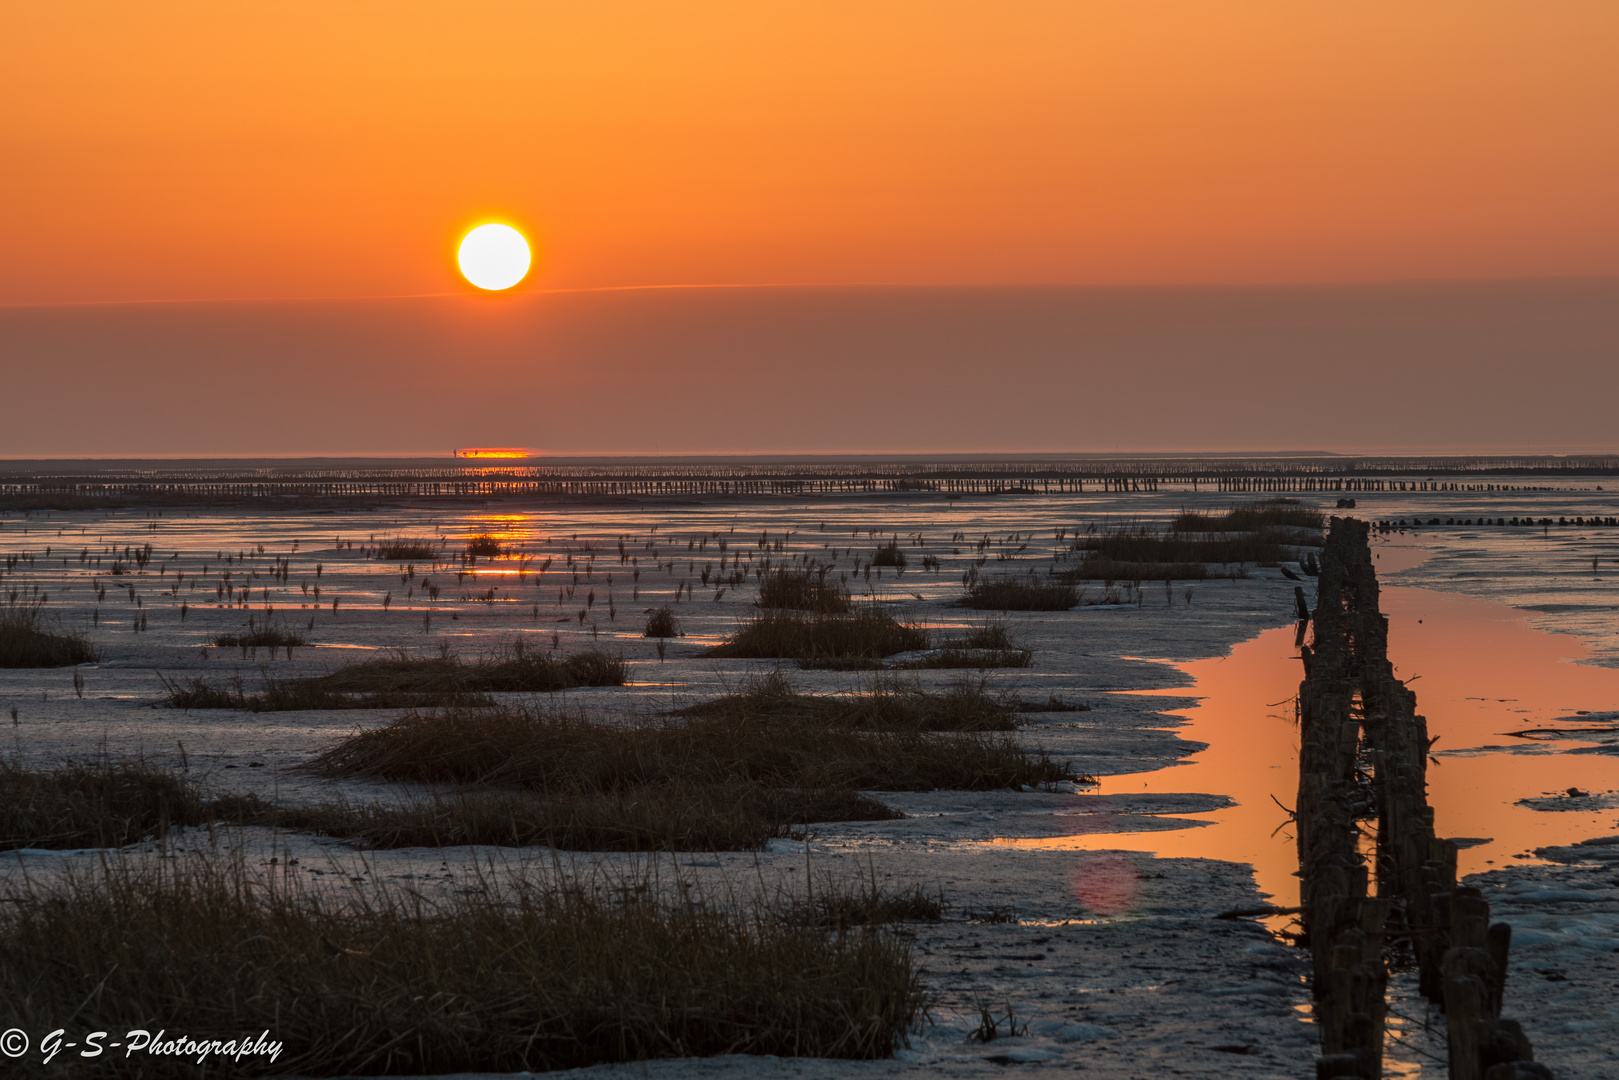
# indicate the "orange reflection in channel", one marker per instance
pixel 1479 670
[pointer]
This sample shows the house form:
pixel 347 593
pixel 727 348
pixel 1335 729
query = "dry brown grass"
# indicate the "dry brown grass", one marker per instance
pixel 1021 593
pixel 867 633
pixel 265 635
pixel 661 623
pixel 987 645
pixel 1141 544
pixel 803 590
pixel 99 804
pixel 408 548
pixel 1253 517
pixel 551 749
pixel 889 703
pixel 26 642
pixel 889 554
pixel 400 681
pixel 527 977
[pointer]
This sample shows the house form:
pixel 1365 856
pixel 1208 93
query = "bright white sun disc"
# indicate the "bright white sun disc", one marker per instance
pixel 494 257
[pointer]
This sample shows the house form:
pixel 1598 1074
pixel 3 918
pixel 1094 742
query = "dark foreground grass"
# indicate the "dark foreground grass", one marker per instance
pixel 400 681
pixel 104 804
pixel 528 977
pixel 1021 593
pixel 889 703
pixel 26 642
pixel 803 590
pixel 546 750
pixel 867 633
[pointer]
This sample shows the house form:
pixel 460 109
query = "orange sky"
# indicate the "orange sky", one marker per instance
pixel 254 150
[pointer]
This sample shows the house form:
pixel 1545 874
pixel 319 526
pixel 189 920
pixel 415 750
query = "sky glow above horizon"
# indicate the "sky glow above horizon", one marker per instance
pixel 272 152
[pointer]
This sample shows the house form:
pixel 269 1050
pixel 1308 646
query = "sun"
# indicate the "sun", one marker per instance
pixel 493 257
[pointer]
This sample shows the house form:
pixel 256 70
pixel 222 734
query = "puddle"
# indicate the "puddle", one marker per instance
pixel 1480 671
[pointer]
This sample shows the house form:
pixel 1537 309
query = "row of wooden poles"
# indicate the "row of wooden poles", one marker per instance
pixel 492 487
pixel 1363 757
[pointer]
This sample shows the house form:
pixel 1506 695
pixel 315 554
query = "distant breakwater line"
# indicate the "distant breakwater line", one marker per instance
pixel 81 483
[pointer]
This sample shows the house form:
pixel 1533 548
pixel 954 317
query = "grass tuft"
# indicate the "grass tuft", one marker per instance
pixel 544 750
pixel 405 548
pixel 662 624
pixel 98 804
pixel 265 635
pixel 867 633
pixel 889 703
pixel 400 681
pixel 987 645
pixel 529 977
pixel 803 590
pixel 1253 517
pixel 839 909
pixel 26 643
pixel 889 554
pixel 1021 593
pixel 484 544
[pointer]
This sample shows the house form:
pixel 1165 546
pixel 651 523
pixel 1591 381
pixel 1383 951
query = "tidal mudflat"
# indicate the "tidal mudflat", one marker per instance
pixel 1078 917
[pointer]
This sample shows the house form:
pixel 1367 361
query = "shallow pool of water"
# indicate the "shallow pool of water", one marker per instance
pixel 1481 672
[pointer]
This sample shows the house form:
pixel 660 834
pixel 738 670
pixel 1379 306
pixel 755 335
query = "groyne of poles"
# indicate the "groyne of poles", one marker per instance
pixel 538 478
pixel 1375 882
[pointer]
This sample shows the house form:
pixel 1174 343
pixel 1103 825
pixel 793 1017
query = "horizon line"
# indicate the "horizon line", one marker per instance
pixel 698 286
pixel 544 457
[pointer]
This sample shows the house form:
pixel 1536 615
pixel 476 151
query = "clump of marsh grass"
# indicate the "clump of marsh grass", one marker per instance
pixel 1258 533
pixel 1021 592
pixel 103 804
pixel 988 645
pixel 293 695
pixel 835 908
pixel 803 590
pixel 662 624
pixel 1142 544
pixel 262 635
pixel 525 976
pixel 867 633
pixel 889 703
pixel 400 681
pixel 405 549
pixel 1253 517
pixel 544 749
pixel 26 642
pixel 484 544
pixel 889 554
